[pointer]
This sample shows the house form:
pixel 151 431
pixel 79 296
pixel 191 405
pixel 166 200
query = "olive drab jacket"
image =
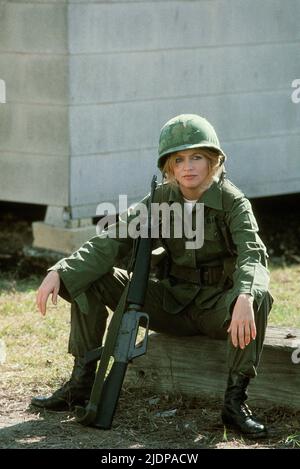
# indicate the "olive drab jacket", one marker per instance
pixel 231 240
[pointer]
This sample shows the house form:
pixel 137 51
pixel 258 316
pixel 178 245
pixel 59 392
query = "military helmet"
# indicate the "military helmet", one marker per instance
pixel 186 131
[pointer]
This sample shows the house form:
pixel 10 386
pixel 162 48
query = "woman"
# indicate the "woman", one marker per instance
pixel 219 289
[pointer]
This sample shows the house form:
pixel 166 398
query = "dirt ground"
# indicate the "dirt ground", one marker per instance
pixel 142 420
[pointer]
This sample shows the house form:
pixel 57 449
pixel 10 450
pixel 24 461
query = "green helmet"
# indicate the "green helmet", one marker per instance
pixel 186 131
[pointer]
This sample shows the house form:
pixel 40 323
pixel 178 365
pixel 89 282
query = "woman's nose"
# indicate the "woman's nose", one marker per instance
pixel 188 164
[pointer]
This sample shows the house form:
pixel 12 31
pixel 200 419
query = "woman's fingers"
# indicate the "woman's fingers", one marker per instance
pixel 42 301
pixel 50 284
pixel 247 333
pixel 253 330
pixel 242 333
pixel 43 304
pixel 234 333
pixel 54 295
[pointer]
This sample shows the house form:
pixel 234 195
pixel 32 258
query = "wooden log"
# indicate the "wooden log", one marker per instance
pixel 197 366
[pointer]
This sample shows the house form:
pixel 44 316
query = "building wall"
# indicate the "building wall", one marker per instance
pixel 134 65
pixel 34 135
pixel 96 80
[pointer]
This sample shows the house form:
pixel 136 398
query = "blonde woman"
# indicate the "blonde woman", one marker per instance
pixel 219 288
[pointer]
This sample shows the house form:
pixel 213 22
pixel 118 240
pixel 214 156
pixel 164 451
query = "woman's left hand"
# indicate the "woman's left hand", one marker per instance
pixel 242 327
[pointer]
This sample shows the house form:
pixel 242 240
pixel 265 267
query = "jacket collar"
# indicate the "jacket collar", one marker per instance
pixel 211 198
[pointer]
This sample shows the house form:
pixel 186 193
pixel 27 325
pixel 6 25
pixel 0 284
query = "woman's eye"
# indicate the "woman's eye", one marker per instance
pixel 197 157
pixel 178 160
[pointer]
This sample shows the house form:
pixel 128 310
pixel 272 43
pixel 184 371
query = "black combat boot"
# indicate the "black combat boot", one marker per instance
pixel 235 413
pixel 74 392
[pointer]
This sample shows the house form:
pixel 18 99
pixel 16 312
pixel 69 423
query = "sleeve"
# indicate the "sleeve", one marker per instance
pixel 251 273
pixel 97 256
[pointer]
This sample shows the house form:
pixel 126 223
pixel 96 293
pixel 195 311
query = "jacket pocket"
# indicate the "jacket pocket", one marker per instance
pixel 211 231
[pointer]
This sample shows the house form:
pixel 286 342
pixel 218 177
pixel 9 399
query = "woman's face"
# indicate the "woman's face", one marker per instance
pixel 190 170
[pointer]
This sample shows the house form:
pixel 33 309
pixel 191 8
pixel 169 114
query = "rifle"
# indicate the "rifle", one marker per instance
pixel 121 337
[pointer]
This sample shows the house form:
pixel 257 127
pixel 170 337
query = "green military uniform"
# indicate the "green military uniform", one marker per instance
pixel 199 290
pixel 175 306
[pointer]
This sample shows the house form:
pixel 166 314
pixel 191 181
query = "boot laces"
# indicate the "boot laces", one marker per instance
pixel 246 411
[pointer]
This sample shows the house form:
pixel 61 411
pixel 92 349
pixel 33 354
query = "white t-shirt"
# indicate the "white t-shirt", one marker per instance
pixel 189 204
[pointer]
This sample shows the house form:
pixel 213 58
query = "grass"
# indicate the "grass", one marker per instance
pixel 37 362
pixel 293 441
pixel 285 288
pixel 36 346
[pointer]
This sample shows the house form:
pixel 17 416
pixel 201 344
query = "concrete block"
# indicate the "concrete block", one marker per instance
pixel 64 240
pixel 61 217
pixel 57 216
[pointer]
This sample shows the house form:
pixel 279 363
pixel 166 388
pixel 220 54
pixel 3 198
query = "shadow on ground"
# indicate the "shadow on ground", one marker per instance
pixel 140 423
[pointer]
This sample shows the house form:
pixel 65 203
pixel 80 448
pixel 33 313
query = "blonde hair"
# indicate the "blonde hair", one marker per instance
pixel 215 167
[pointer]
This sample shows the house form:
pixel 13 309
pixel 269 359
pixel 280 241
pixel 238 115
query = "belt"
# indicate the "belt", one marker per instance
pixel 205 275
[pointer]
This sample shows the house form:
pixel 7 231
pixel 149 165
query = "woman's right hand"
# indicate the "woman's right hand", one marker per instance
pixel 50 284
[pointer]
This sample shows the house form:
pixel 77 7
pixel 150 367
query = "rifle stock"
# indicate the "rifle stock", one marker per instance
pixel 110 396
pixel 125 351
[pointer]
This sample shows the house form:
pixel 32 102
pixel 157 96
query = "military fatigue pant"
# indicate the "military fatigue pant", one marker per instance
pixel 87 329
